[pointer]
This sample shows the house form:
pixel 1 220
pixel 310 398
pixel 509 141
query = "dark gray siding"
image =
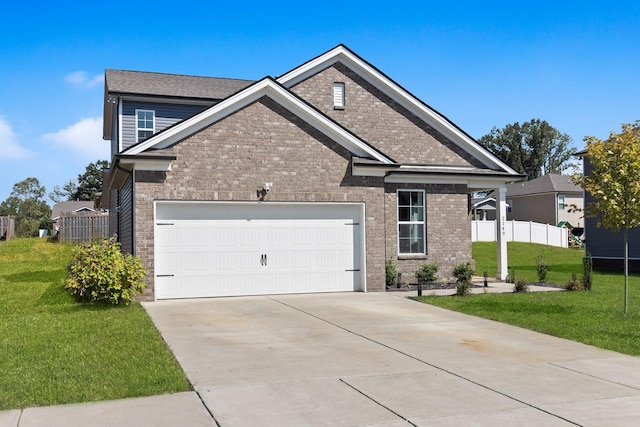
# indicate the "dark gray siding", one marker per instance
pixel 166 115
pixel 606 245
pixel 114 131
pixel 113 213
pixel 125 217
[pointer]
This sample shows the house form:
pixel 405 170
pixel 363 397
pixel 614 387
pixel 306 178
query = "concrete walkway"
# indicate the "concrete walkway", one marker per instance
pixel 355 359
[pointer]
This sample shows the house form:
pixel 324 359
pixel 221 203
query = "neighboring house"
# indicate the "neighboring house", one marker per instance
pixel 307 182
pixel 70 208
pixel 546 200
pixel 483 209
pixel 605 246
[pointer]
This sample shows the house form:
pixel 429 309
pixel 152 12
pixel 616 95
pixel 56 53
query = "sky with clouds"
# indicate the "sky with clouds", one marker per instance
pixel 481 64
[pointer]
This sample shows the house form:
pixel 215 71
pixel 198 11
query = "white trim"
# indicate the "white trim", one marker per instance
pixel 396 93
pixel 119 147
pixel 153 120
pixel 472 182
pixel 146 164
pixel 423 222
pixel 282 96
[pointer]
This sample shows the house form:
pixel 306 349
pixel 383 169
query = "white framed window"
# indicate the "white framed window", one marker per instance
pixel 509 206
pixel 338 95
pixel 145 124
pixel 411 222
pixel 561 202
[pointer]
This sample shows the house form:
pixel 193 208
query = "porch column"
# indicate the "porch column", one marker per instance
pixel 501 232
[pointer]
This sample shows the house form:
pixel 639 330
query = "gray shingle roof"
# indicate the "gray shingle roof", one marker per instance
pixel 70 207
pixel 175 85
pixel 551 183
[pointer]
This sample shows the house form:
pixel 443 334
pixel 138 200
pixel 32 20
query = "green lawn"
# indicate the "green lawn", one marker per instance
pixel 593 317
pixel 54 350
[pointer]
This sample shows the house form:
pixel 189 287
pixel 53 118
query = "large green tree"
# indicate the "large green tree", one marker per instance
pixel 87 185
pixel 534 148
pixel 26 203
pixel 614 183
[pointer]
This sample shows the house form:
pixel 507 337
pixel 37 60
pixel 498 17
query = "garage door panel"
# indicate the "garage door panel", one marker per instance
pixel 201 253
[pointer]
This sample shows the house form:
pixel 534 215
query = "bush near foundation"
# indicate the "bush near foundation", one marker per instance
pixel 99 272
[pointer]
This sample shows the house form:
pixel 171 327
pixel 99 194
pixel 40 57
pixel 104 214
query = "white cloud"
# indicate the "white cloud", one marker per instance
pixel 9 146
pixel 83 139
pixel 82 79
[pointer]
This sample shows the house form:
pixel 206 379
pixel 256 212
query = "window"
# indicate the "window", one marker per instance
pixel 338 95
pixel 411 222
pixel 509 206
pixel 561 202
pixel 145 124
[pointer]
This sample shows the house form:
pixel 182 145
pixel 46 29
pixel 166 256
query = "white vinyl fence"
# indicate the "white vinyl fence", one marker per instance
pixel 521 231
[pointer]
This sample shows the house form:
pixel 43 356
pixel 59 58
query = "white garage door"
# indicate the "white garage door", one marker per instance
pixel 208 249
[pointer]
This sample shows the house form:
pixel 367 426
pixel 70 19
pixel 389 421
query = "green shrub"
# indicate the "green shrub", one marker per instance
pixel 543 269
pixel 463 273
pixel 521 286
pixel 463 288
pixel 427 273
pixel 100 272
pixel 574 284
pixel 391 273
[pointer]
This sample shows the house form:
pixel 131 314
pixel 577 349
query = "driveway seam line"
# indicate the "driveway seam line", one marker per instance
pixel 375 401
pixel 426 363
pixel 593 376
pixel 207 408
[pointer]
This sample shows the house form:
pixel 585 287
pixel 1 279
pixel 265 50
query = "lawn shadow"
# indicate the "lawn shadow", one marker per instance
pixel 37 276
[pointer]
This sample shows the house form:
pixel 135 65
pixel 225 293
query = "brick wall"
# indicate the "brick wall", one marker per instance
pixel 377 119
pixel 448 231
pixel 264 142
pixel 229 160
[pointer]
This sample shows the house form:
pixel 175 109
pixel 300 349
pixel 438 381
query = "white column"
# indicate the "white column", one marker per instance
pixel 501 232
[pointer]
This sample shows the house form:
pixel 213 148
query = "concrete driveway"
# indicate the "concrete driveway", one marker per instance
pixel 358 359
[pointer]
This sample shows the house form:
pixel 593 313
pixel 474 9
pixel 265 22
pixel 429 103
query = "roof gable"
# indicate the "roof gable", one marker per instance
pixel 390 88
pixel 265 87
pixel 551 183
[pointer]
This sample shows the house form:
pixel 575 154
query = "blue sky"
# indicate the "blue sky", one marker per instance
pixel 481 64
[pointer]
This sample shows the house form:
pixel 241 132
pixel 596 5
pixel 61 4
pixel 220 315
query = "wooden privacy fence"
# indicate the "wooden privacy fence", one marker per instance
pixel 521 231
pixel 7 227
pixel 83 227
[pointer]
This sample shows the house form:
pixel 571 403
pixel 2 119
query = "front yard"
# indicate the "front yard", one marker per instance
pixel 593 317
pixel 54 350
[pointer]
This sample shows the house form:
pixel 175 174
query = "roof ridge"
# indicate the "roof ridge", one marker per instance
pixel 179 75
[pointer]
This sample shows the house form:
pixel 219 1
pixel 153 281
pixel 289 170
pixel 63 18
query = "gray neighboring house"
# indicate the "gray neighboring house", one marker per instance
pixel 70 207
pixel 546 200
pixel 605 246
pixel 307 182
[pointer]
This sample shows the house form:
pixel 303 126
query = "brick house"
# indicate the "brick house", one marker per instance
pixel 306 182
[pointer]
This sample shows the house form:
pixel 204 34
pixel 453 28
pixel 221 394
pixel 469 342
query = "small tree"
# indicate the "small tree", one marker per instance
pixel 614 183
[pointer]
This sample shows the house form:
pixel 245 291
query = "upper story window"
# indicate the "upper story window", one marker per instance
pixel 338 95
pixel 560 202
pixel 411 222
pixel 145 124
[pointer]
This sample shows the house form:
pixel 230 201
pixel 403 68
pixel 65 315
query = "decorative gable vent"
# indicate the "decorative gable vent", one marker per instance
pixel 338 95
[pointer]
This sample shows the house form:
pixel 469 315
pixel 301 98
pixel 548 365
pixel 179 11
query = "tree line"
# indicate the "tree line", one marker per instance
pixel 27 201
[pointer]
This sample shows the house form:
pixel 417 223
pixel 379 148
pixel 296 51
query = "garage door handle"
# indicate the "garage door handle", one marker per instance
pixel 164 275
pixel 263 259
